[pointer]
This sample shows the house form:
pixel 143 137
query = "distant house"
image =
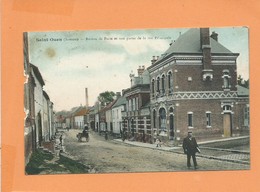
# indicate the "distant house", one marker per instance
pixel 97 108
pixel 102 120
pixel 105 117
pixel 60 121
pixel 69 117
pixel 108 114
pixel 118 108
pixel 91 117
pixel 79 118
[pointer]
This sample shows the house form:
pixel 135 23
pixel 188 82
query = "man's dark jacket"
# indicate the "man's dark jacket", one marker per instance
pixel 190 145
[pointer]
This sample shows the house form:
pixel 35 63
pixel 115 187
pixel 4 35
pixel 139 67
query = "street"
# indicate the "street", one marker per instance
pixel 108 156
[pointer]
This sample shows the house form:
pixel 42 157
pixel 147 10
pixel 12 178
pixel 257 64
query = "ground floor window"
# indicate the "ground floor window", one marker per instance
pixel 171 125
pixel 208 117
pixel 246 116
pixel 162 120
pixel 154 118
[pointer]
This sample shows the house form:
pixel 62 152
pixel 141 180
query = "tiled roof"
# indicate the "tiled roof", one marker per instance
pixel 109 106
pixel 81 112
pixel 242 91
pixel 189 42
pixel 46 95
pixel 37 74
pixel 120 101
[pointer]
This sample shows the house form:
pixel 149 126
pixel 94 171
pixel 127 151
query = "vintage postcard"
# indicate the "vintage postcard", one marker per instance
pixel 131 101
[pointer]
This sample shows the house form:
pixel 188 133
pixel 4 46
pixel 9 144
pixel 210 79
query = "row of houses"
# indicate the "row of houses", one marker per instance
pixel 192 86
pixel 73 119
pixel 39 115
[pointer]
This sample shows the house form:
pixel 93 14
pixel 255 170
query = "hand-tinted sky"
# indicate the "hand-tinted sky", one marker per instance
pixel 99 62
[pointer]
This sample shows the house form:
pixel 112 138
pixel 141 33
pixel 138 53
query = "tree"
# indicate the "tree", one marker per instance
pixel 242 82
pixel 106 97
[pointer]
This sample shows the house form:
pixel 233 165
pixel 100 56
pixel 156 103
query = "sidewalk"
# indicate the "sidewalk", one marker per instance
pixel 166 148
pixel 232 155
pixel 148 145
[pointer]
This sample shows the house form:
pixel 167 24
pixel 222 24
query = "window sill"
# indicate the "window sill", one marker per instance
pixel 226 89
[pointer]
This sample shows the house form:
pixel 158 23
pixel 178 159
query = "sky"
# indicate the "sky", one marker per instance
pixel 70 61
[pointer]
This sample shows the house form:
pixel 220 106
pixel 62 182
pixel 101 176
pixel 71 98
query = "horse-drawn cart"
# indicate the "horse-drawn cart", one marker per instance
pixel 81 135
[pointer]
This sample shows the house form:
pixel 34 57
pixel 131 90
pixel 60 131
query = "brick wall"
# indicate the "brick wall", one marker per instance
pixel 199 109
pixel 197 84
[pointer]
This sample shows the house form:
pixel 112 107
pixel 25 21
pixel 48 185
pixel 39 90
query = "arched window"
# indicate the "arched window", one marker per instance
pixel 226 82
pixel 171 123
pixel 158 84
pixel 153 88
pixel 163 84
pixel 170 82
pixel 226 79
pixel 227 108
pixel 162 120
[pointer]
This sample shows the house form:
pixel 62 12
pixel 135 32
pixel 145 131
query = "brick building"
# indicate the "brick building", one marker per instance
pixel 136 119
pixel 193 87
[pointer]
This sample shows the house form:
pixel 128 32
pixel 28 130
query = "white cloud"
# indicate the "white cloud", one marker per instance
pixel 66 81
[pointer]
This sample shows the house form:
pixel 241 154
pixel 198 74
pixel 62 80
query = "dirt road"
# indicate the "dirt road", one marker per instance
pixel 108 156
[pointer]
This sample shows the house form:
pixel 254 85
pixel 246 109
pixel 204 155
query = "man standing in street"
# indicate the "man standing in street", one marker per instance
pixel 190 148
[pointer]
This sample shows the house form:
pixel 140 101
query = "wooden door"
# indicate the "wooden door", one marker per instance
pixel 227 124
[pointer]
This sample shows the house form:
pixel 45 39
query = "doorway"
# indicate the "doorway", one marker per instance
pixel 227 124
pixel 39 129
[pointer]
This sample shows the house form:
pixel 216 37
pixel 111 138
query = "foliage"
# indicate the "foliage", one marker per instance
pixel 106 97
pixel 242 82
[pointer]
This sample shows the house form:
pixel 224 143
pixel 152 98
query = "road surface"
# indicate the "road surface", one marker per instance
pixel 108 156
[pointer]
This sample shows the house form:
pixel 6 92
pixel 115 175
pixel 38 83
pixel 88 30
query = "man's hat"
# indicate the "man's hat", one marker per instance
pixel 189 131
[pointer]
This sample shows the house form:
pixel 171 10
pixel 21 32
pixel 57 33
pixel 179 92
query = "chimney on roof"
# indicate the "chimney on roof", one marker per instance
pixel 205 47
pixel 86 95
pixel 204 36
pixel 153 60
pixel 214 36
pixel 132 78
pixel 140 70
